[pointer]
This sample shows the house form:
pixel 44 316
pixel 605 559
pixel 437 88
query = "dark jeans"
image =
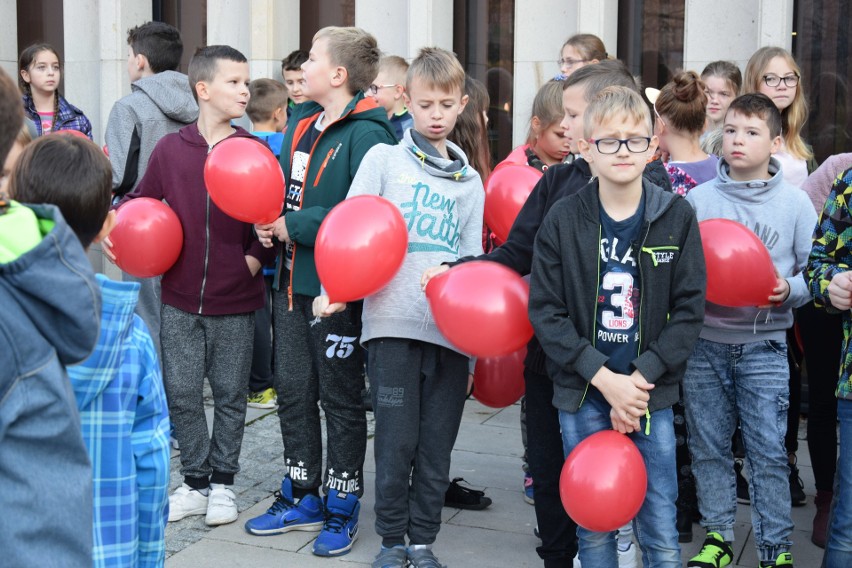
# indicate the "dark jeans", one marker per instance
pixel 822 338
pixel 545 458
pixel 261 356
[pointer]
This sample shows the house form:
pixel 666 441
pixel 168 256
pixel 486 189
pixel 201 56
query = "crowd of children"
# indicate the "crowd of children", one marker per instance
pixel 97 378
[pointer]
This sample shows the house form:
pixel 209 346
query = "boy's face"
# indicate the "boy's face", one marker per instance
pixel 386 92
pixel 228 91
pixel 295 83
pixel 622 167
pixel 319 73
pixel 11 158
pixel 434 110
pixel 574 104
pixel 134 65
pixel 747 145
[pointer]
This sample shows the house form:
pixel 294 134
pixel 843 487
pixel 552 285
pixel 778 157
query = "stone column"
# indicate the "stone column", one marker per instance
pixel 402 28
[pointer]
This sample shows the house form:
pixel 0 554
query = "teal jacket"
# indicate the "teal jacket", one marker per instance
pixel 333 161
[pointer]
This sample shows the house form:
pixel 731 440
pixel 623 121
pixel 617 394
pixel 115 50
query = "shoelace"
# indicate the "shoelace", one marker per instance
pixel 335 522
pixel 281 504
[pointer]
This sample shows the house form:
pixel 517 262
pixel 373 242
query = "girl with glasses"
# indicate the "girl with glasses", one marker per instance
pixel 580 50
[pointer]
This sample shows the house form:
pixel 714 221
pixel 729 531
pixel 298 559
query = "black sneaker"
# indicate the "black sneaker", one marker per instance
pixel 797 487
pixel 464 497
pixel 742 484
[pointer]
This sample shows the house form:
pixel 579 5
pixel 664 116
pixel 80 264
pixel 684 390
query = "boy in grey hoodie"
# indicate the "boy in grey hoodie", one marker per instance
pixel 738 369
pixel 418 378
pixel 160 103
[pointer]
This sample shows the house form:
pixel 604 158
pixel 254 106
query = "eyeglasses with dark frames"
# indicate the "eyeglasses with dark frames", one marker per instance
pixel 374 89
pixel 774 80
pixel 635 145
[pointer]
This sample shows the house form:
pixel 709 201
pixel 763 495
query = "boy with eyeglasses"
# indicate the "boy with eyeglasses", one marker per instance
pixel 388 89
pixel 633 251
pixel 740 361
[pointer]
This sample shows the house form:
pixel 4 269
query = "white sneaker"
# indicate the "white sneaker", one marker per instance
pixel 221 508
pixel 186 501
pixel 627 556
pixel 577 562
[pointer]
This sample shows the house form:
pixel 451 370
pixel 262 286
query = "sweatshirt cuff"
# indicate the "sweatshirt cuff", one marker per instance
pixel 590 362
pixel 650 366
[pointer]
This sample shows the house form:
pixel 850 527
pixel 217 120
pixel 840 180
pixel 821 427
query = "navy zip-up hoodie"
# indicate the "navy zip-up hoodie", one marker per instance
pixel 564 290
pixel 211 276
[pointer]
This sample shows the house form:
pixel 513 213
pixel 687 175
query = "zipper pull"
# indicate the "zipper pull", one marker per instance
pixel 290 298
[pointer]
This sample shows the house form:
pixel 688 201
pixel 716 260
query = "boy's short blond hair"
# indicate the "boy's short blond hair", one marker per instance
pixel 438 68
pixel 355 50
pixel 266 96
pixel 394 67
pixel 616 103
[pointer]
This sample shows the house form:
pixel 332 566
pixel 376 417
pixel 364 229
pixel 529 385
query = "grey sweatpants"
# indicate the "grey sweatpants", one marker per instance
pixel 320 361
pixel 218 347
pixel 418 394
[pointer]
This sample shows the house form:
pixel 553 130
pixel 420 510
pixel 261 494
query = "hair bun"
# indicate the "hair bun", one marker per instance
pixel 687 86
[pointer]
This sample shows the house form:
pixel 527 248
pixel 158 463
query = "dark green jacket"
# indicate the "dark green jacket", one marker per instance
pixel 334 159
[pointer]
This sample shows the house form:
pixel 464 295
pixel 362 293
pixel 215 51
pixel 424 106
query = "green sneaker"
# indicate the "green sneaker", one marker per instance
pixel 263 399
pixel 784 560
pixel 715 553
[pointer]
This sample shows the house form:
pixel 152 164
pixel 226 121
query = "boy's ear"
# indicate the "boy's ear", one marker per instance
pixel 585 150
pixel 339 77
pixel 463 104
pixel 655 143
pixel 399 91
pixel 106 229
pixel 201 91
pixel 141 62
pixel 776 145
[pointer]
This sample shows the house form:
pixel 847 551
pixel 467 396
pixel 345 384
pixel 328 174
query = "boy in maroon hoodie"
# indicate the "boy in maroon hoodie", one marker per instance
pixel 209 295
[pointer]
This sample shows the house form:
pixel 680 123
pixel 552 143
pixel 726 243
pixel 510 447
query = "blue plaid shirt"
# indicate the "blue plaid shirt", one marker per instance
pixel 125 424
pixel 70 117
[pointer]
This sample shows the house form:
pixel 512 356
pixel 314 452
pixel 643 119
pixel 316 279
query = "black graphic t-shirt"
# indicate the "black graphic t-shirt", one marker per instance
pixel 298 171
pixel 617 325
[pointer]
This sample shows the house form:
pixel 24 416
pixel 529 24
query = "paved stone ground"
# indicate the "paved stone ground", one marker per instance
pixel 487 454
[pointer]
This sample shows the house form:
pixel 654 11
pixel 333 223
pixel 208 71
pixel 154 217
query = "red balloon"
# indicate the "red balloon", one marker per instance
pixel 481 308
pixel 740 271
pixel 147 238
pixel 506 191
pixel 244 180
pixel 70 132
pixel 603 481
pixel 499 381
pixel 360 246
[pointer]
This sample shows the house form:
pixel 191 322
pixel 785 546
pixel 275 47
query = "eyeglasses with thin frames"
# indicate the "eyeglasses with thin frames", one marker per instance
pixel 568 62
pixel 790 81
pixel 374 89
pixel 635 145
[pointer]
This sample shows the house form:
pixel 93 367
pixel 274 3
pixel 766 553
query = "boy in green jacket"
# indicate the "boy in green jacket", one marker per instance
pixel 325 142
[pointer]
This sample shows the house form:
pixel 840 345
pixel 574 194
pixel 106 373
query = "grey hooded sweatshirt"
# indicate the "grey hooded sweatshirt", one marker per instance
pixel 441 202
pixel 784 219
pixel 158 105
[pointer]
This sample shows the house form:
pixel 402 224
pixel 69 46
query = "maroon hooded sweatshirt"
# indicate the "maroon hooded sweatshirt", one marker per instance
pixel 211 276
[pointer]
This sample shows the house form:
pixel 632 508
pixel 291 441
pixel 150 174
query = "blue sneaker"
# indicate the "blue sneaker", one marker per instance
pixel 341 524
pixel 284 515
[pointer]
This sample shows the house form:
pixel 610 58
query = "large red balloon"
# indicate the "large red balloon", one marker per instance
pixel 147 238
pixel 481 307
pixel 603 481
pixel 360 246
pixel 516 156
pixel 244 180
pixel 506 191
pixel 739 269
pixel 499 381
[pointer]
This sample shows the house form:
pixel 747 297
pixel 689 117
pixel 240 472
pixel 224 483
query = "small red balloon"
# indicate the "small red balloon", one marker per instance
pixel 603 481
pixel 740 271
pixel 244 180
pixel 506 191
pixel 360 247
pixel 481 308
pixel 499 381
pixel 147 238
pixel 70 132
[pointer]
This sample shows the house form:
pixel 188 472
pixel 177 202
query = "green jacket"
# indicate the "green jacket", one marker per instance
pixel 333 161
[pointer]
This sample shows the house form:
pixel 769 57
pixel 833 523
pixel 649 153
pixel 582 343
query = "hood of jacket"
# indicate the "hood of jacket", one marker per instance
pixel 656 202
pixel 360 107
pixel 456 168
pixel 168 90
pixel 48 283
pixel 752 191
